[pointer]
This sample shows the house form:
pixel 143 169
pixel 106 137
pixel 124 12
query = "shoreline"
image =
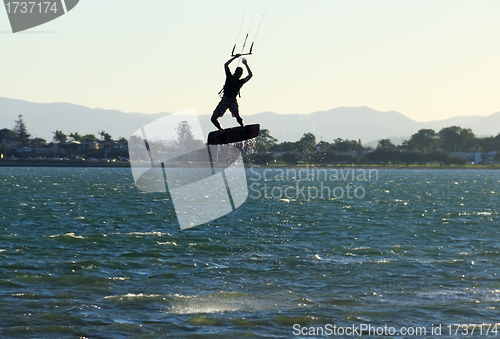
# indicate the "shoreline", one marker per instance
pixel 395 167
pixel 62 163
pixel 126 164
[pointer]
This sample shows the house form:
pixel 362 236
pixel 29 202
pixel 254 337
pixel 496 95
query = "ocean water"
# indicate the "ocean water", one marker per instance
pixel 84 254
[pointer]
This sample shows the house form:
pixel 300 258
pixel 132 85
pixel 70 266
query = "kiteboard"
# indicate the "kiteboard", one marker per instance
pixel 234 134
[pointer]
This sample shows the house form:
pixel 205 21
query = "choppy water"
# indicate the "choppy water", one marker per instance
pixel 83 253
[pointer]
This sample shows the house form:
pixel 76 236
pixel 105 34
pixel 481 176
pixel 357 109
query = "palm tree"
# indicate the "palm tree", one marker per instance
pixel 59 137
pixel 76 137
pixel 107 139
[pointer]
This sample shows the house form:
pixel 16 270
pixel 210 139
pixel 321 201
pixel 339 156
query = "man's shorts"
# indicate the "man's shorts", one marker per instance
pixel 225 104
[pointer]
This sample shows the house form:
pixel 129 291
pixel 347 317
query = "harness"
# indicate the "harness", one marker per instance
pixel 221 93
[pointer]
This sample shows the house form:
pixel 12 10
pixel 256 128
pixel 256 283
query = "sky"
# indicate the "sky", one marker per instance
pixel 427 59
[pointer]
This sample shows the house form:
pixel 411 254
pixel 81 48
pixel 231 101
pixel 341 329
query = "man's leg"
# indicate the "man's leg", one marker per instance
pixel 216 122
pixel 216 115
pixel 236 112
pixel 239 119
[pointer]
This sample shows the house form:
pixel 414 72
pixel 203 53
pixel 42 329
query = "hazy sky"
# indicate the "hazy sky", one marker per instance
pixel 426 59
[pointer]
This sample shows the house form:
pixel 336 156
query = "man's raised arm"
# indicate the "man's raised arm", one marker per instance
pixel 226 65
pixel 250 74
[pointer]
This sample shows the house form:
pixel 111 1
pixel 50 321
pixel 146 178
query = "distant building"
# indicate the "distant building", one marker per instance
pixel 23 147
pixel 12 143
pixel 88 146
pixel 476 157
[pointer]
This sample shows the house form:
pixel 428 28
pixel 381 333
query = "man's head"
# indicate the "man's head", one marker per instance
pixel 238 72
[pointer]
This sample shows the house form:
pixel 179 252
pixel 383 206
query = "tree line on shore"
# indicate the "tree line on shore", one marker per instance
pixel 19 133
pixel 426 146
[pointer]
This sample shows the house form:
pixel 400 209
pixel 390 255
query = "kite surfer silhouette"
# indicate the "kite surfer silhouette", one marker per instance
pixel 231 90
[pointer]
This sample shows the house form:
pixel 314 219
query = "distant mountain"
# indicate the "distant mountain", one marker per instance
pixel 489 125
pixel 44 119
pixel 363 123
